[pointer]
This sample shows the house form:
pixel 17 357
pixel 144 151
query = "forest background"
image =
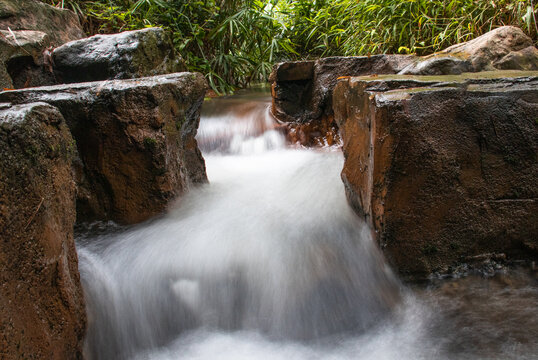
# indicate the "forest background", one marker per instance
pixel 236 42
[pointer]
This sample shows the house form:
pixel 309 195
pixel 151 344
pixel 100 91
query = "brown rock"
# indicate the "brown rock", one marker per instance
pixel 504 48
pixel 444 167
pixel 302 92
pixel 136 140
pixel 525 59
pixel 21 59
pixel 42 312
pixel 60 25
pixel 27 29
pixel 293 71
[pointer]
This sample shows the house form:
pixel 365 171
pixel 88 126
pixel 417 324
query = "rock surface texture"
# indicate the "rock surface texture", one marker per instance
pixel 504 48
pixel 130 54
pixel 21 59
pixel 61 25
pixel 136 140
pixel 42 308
pixel 28 28
pixel 302 92
pixel 443 168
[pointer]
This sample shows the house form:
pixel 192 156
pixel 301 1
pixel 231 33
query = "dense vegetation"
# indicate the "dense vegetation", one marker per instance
pixel 235 42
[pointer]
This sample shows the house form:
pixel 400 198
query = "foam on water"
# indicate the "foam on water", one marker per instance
pixel 266 262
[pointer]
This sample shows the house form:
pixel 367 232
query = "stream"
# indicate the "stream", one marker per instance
pixel 268 261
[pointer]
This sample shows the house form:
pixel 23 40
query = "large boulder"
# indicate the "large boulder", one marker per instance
pixel 302 92
pixel 27 30
pixel 506 48
pixel 130 54
pixel 42 313
pixel 443 168
pixel 136 140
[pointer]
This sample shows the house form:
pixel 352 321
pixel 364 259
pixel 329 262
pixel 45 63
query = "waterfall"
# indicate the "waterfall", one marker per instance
pixel 270 246
pixel 267 261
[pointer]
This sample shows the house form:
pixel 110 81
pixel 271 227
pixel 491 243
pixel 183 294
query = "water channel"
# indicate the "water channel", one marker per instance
pixel 268 261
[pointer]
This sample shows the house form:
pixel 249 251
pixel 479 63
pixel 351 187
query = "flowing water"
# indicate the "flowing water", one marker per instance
pixel 269 262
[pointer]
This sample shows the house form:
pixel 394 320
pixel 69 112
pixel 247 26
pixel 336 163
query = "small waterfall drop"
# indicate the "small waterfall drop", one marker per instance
pixel 270 245
pixel 266 262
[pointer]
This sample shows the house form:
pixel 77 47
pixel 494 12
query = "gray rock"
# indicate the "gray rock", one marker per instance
pixel 441 65
pixel 302 89
pixel 136 140
pixel 130 54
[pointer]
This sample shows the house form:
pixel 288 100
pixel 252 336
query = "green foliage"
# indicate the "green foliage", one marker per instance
pixel 150 143
pixel 235 42
pixel 410 26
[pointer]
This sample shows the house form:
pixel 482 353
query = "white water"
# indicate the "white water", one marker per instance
pixel 266 262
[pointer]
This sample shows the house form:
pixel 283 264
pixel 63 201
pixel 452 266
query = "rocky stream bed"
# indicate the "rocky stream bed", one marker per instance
pixel 356 174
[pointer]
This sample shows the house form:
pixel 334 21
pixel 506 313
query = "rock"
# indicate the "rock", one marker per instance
pixel 526 59
pixel 42 313
pixel 136 140
pixel 442 167
pixel 130 54
pixel 292 71
pixel 21 56
pixel 60 25
pixel 439 65
pixel 505 48
pixel 302 92
pixel 29 27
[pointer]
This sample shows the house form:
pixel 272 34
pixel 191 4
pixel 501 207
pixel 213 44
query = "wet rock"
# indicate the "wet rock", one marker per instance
pixel 130 54
pixel 444 167
pixel 136 140
pixel 505 48
pixel 42 312
pixel 302 92
pixel 60 25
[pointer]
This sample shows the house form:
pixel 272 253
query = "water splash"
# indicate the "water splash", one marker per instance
pixel 261 248
pixel 266 262
pixel 236 126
